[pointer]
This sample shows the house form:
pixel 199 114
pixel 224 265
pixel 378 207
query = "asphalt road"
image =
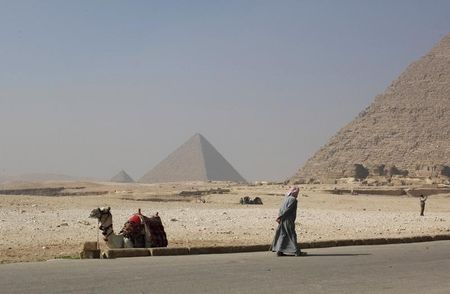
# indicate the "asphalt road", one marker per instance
pixel 401 268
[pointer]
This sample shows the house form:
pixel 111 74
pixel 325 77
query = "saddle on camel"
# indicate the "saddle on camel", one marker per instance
pixel 145 231
pixel 139 231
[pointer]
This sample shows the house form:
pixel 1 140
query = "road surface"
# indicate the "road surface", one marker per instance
pixel 400 268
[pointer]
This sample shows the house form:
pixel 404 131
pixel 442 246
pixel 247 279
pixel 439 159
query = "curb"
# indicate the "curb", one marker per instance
pixel 165 251
pixel 228 249
pixel 126 252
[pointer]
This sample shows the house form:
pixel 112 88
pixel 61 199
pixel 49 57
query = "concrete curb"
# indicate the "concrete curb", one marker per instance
pixel 166 251
pixel 373 241
pixel 127 252
pixel 228 249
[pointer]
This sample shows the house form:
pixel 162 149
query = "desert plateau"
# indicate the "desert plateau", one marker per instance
pixel 48 220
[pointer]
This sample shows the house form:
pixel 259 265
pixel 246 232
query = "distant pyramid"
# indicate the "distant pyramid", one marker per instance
pixel 405 131
pixel 195 160
pixel 122 177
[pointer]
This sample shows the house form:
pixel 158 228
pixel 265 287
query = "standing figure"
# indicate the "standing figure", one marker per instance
pixel 285 240
pixel 422 204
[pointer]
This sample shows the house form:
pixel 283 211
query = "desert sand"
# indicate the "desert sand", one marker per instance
pixel 37 228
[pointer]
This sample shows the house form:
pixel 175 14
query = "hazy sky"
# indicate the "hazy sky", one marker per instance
pixel 90 87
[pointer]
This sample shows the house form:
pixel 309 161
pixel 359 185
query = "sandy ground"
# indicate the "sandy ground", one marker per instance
pixel 37 228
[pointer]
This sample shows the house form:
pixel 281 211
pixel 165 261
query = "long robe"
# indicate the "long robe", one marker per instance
pixel 285 239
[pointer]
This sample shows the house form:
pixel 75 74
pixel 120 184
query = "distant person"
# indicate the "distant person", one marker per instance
pixel 423 199
pixel 285 240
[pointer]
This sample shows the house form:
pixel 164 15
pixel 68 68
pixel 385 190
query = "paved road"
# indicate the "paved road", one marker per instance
pixel 405 268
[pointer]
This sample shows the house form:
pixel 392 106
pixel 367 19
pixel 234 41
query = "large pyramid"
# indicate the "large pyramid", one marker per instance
pixel 406 130
pixel 122 177
pixel 195 160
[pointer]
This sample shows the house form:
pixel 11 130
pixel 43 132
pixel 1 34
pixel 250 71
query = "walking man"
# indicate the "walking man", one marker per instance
pixel 422 204
pixel 285 240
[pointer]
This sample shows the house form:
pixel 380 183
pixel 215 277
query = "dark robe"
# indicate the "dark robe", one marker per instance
pixel 285 239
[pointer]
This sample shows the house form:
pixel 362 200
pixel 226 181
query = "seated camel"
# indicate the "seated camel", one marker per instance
pixel 139 231
pixel 248 200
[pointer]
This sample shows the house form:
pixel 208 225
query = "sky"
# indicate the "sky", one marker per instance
pixel 88 88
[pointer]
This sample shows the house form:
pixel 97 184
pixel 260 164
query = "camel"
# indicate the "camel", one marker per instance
pixel 248 200
pixel 138 231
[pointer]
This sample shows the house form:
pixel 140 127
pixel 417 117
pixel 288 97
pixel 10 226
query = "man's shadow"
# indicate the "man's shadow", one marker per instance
pixel 336 254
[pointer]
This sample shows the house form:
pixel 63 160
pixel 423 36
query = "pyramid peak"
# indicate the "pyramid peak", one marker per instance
pixel 198 135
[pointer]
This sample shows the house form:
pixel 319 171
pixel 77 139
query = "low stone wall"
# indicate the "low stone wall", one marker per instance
pixel 34 191
pixel 416 192
pixel 166 251
pixel 388 192
pixel 58 191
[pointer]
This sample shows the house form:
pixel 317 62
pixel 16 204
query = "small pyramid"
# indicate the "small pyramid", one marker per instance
pixel 195 160
pixel 122 177
pixel 405 131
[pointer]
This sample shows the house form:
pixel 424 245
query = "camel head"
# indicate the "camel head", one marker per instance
pixel 105 220
pixel 98 213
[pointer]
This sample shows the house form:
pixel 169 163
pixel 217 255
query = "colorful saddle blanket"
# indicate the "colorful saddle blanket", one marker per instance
pixel 146 232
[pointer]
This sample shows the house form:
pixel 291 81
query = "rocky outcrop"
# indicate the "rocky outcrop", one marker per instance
pixel 405 131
